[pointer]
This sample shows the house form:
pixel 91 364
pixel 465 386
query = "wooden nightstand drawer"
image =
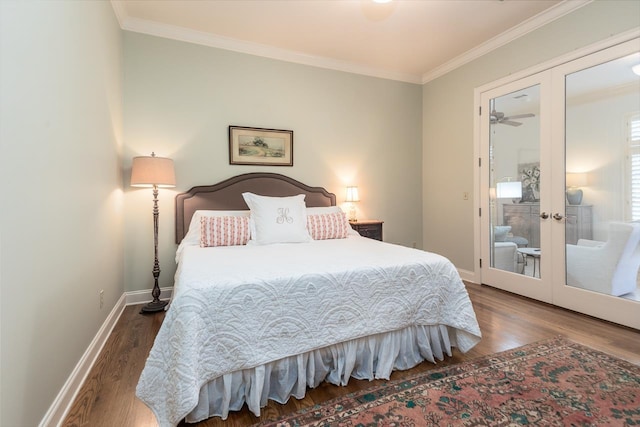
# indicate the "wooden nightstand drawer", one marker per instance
pixel 368 228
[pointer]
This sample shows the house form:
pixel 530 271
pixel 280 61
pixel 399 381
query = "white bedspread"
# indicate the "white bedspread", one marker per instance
pixel 240 307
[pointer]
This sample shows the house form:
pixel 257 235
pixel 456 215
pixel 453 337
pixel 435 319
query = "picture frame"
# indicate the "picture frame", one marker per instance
pixel 260 146
pixel 529 174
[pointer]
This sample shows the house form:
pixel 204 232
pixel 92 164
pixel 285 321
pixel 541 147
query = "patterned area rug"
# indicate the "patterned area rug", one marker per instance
pixel 550 383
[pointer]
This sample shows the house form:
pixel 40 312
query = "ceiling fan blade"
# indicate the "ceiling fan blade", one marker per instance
pixel 520 116
pixel 510 123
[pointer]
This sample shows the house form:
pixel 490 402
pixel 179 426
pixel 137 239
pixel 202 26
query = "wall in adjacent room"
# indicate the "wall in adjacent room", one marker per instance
pixel 61 186
pixel 348 129
pixel 448 114
pixel 597 145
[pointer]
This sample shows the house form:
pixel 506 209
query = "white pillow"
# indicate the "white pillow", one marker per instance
pixel 277 219
pixel 323 210
pixel 500 232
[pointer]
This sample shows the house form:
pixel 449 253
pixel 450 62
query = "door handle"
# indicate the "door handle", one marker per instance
pixel 544 215
pixel 557 216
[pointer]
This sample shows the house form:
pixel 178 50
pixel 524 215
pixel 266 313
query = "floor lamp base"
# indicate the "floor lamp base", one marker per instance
pixel 154 306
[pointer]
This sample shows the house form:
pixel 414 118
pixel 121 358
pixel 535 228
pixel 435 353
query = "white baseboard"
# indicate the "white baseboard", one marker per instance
pixel 62 404
pixel 469 276
pixel 141 297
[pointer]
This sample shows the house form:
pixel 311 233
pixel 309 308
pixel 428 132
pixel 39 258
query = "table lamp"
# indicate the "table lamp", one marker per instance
pixel 352 196
pixel 574 194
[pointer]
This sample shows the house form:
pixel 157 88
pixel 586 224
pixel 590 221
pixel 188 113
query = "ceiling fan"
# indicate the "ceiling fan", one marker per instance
pixel 499 118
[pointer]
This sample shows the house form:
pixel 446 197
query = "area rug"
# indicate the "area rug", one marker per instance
pixel 555 382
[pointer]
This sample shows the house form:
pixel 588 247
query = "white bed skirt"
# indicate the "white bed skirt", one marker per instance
pixel 373 357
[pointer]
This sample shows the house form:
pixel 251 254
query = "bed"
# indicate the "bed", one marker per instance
pixel 267 318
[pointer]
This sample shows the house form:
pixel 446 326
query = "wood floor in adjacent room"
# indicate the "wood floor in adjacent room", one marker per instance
pixel 506 321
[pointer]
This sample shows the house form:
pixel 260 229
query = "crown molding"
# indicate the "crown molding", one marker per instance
pixel 198 37
pixel 120 12
pixel 531 24
pixel 614 40
pixel 207 39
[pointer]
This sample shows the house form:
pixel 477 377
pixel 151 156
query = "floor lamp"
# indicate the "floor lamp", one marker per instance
pixel 154 172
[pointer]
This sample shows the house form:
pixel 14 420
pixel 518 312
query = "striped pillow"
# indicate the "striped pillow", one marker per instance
pixel 224 231
pixel 328 226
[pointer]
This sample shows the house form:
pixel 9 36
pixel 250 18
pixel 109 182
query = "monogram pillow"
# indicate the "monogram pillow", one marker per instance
pixel 277 219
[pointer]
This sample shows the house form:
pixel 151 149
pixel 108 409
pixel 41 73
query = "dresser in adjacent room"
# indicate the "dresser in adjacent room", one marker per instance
pixel 524 219
pixel 579 223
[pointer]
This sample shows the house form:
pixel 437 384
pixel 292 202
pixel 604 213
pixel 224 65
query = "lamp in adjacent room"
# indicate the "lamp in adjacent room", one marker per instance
pixel 574 181
pixel 154 172
pixel 352 197
pixel 509 190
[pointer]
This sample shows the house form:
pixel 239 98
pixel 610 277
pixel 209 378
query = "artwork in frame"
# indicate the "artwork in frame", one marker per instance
pixel 259 146
pixel 530 178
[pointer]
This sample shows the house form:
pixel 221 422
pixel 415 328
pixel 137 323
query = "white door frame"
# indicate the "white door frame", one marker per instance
pixel 532 287
pixel 578 53
pixel 614 309
pixel 598 305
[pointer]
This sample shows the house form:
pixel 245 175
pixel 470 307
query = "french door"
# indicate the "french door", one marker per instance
pixel 559 182
pixel 594 101
pixel 515 231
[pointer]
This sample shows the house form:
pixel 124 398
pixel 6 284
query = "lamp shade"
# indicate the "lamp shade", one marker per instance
pixel 148 171
pixel 509 190
pixel 576 179
pixel 352 194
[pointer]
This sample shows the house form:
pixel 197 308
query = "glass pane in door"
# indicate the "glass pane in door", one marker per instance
pixel 602 165
pixel 514 181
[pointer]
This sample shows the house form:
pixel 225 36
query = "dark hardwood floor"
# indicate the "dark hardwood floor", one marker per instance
pixel 506 321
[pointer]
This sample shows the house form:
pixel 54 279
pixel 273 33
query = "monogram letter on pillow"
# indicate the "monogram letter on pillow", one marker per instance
pixel 277 219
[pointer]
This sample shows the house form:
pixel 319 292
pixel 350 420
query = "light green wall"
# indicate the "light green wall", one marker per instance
pixel 180 99
pixel 61 136
pixel 61 186
pixel 448 109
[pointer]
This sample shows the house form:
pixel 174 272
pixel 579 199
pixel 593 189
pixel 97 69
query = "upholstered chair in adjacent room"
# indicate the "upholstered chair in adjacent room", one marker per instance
pixel 506 256
pixel 505 250
pixel 609 267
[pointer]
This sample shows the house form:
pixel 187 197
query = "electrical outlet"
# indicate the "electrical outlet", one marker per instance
pixel 414 245
pixel 465 195
pixel 101 297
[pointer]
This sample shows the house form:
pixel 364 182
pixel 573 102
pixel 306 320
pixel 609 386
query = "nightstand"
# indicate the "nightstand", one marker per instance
pixel 371 228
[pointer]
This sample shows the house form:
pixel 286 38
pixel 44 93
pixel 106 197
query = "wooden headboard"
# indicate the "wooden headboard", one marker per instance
pixel 227 195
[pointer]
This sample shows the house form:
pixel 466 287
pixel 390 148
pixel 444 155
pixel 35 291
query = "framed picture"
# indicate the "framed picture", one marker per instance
pixel 530 177
pixel 258 146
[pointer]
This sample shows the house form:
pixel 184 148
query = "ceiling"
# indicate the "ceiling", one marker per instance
pixel 406 40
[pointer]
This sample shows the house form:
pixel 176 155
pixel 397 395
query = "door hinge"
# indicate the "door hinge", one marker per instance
pixel 480 262
pixel 479 211
pixel 479 162
pixel 480 110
